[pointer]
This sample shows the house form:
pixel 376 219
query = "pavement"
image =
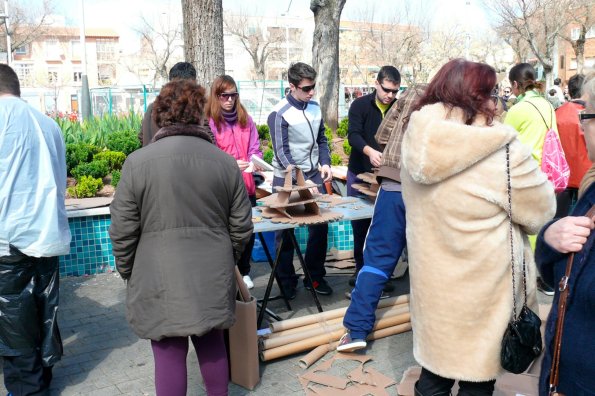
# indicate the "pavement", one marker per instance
pixel 102 356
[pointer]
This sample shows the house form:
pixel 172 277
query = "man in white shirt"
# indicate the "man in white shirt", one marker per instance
pixel 33 233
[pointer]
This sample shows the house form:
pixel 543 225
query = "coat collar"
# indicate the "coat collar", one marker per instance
pixel 440 145
pixel 199 131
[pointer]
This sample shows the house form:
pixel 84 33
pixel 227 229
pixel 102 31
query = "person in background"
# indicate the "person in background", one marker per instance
pixel 33 233
pixel 365 115
pixel 532 116
pixel 552 97
pixel 297 133
pixel 181 219
pixel 183 70
pixel 556 240
pixel 557 87
pixel 386 238
pixel 573 143
pixel 454 177
pixel 236 134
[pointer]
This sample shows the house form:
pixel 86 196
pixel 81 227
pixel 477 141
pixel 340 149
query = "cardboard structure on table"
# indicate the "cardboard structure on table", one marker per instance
pixel 295 204
pixel 370 185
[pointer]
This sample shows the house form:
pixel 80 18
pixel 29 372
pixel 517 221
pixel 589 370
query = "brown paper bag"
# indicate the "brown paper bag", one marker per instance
pixel 243 345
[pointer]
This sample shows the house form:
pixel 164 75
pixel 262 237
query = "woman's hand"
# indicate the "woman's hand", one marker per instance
pixel 242 164
pixel 569 234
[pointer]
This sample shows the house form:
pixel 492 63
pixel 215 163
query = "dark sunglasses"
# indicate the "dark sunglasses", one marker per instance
pixel 506 91
pixel 227 95
pixel 307 88
pixel 582 116
pixel 393 91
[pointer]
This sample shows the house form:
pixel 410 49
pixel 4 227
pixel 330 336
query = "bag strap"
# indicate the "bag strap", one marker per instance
pixel 562 302
pixel 541 115
pixel 511 232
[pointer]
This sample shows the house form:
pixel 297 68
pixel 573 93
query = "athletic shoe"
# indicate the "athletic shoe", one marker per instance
pixel 544 288
pixel 248 281
pixel 348 344
pixel 320 286
pixel 289 292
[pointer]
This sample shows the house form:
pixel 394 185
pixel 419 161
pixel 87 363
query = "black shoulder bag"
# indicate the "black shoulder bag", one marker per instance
pixel 521 343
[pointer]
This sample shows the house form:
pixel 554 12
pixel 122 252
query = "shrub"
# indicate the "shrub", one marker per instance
pixel 116 175
pixel 346 147
pixel 268 156
pixel 114 159
pixel 86 187
pixel 343 127
pixel 263 132
pixel 79 153
pixel 123 141
pixel 95 169
pixel 328 132
pixel 336 159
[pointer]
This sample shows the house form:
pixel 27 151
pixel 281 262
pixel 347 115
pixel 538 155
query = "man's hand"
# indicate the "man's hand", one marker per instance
pixel 374 155
pixel 569 234
pixel 242 164
pixel 326 173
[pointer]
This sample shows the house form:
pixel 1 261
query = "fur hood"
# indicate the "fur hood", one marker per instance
pixel 435 132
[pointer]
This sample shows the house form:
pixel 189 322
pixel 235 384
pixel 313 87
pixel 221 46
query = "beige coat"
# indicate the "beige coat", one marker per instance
pixel 455 192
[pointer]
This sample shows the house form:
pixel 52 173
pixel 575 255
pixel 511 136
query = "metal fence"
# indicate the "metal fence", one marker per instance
pixel 118 100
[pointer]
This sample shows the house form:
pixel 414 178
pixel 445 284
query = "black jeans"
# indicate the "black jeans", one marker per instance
pixel 315 248
pixel 430 384
pixel 244 261
pixel 25 376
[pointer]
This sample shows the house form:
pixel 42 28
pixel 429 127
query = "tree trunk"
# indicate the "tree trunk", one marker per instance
pixel 548 75
pixel 579 51
pixel 203 38
pixel 325 56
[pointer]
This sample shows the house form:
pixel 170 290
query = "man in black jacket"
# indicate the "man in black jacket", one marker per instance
pixel 365 115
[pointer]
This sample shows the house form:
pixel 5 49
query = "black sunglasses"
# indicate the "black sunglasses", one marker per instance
pixel 393 91
pixel 227 95
pixel 582 116
pixel 307 88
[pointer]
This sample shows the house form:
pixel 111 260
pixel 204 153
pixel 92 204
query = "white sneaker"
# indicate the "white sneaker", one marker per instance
pixel 248 281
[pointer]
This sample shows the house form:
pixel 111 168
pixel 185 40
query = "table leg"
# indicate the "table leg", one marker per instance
pixel 296 246
pixel 267 293
pixel 270 260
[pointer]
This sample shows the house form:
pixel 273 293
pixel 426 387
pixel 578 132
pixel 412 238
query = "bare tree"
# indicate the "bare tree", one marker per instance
pixel 259 43
pixel 27 21
pixel 580 16
pixel 325 56
pixel 203 38
pixel 159 43
pixel 538 22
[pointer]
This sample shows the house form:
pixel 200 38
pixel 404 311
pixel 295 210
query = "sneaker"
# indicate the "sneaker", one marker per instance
pixel 545 289
pixel 320 286
pixel 382 296
pixel 348 344
pixel 289 292
pixel 248 281
pixel 388 287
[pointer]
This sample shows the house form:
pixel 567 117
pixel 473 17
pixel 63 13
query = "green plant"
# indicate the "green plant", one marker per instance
pixel 95 169
pixel 116 175
pixel 268 156
pixel 336 159
pixel 86 187
pixel 343 127
pixel 115 159
pixel 123 141
pixel 346 147
pixel 79 153
pixel 328 132
pixel 263 132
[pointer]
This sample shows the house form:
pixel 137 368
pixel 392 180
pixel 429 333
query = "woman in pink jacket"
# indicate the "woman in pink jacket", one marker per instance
pixel 235 133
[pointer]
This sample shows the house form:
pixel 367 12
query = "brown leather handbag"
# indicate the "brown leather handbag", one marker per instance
pixel 564 291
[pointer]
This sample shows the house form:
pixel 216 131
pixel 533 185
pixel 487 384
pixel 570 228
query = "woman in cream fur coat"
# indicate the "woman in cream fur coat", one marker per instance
pixel 455 191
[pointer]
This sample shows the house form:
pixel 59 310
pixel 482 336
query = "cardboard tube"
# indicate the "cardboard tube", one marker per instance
pixel 335 313
pixel 380 313
pixel 316 354
pixel 327 328
pixel 326 338
pixel 389 331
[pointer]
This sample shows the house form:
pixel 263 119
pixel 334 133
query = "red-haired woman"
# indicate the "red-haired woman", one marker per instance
pixel 454 178
pixel 235 133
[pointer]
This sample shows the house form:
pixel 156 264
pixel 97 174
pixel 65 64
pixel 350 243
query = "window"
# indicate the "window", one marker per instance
pixel 52 49
pixel 562 63
pixel 22 50
pixel 106 49
pixel 53 75
pixel 25 73
pixel 105 74
pixel 75 49
pixel 77 76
